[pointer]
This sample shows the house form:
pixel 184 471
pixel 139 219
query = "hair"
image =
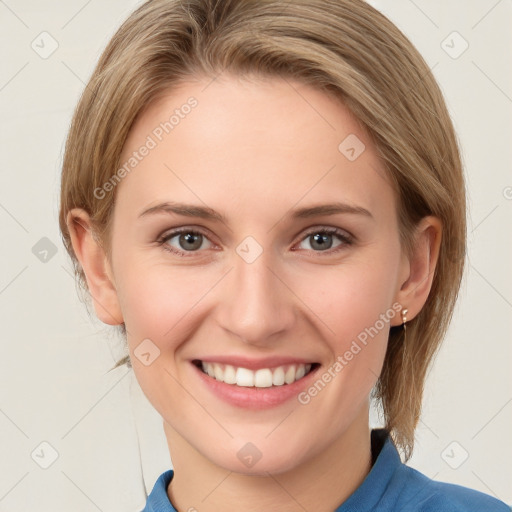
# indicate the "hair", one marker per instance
pixel 345 48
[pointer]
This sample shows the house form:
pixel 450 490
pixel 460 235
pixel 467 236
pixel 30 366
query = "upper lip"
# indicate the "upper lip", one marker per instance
pixel 255 364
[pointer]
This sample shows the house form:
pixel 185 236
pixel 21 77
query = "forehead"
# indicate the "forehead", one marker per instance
pixel 253 143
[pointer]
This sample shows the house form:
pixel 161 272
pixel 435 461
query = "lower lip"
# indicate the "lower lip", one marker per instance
pixel 252 397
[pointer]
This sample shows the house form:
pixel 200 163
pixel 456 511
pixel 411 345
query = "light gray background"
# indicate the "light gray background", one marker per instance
pixel 106 440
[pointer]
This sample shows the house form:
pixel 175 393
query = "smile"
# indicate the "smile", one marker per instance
pixel 260 378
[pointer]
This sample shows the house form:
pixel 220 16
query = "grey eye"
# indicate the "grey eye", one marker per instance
pixel 188 241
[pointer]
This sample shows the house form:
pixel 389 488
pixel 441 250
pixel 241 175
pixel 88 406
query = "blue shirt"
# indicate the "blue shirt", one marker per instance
pixel 389 486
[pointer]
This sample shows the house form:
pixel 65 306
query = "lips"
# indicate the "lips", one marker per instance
pixel 255 384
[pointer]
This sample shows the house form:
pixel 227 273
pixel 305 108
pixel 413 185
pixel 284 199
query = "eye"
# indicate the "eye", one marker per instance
pixel 183 240
pixel 321 239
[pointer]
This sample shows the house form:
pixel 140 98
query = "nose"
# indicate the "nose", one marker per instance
pixel 257 306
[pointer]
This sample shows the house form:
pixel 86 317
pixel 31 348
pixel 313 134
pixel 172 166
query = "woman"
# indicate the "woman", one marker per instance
pixel 268 199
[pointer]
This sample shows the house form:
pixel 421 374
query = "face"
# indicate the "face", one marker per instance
pixel 241 275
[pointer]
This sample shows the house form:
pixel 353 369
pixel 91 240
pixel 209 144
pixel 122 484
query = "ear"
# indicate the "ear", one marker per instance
pixel 417 272
pixel 96 267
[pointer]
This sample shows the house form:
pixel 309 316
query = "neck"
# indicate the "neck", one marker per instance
pixel 321 483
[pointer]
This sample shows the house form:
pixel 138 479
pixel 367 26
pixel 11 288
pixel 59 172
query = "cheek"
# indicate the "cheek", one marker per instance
pixel 156 301
pixel 350 298
pixel 158 305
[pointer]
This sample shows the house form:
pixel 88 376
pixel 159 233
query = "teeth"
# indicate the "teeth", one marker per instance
pixel 217 372
pixel 210 370
pixel 301 371
pixel 278 376
pixel 244 377
pixel 262 378
pixel 229 374
pixel 289 376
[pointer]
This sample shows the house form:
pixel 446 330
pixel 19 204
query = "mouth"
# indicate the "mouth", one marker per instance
pixel 279 376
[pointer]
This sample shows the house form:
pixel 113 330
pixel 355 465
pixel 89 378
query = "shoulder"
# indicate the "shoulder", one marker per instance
pixel 393 486
pixel 426 495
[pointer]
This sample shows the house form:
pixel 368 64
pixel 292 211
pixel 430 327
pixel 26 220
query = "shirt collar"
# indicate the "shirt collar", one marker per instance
pixel 373 488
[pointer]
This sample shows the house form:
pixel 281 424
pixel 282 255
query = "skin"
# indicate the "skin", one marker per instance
pixel 255 150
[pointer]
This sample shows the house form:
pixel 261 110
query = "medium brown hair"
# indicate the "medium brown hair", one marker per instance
pixel 345 48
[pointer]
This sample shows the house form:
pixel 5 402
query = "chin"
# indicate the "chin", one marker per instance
pixel 250 460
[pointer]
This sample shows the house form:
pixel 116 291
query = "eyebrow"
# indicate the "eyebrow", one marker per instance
pixel 204 212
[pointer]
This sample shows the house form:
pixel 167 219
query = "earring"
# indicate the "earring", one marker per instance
pixel 404 318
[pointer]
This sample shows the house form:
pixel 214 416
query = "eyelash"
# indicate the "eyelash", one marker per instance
pixel 344 237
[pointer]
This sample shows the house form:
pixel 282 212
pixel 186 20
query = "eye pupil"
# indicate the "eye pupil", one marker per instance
pixel 191 240
pixel 324 241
